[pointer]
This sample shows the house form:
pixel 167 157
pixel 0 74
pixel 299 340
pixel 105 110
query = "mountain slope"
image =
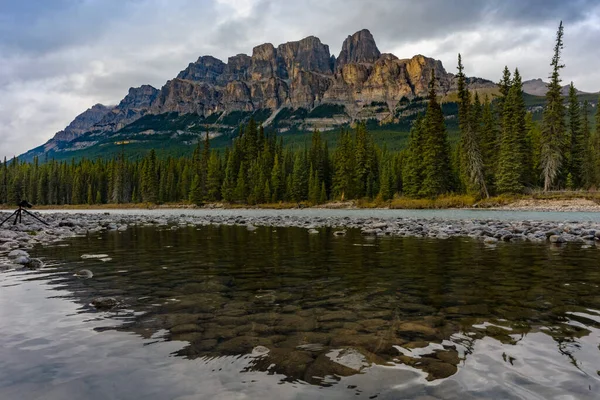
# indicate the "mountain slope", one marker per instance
pixel 296 85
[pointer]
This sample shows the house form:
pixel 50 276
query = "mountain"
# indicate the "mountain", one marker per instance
pixel 81 124
pixel 537 87
pixel 296 85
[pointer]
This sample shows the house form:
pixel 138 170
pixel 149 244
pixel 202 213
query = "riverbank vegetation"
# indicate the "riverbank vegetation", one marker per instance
pixel 502 153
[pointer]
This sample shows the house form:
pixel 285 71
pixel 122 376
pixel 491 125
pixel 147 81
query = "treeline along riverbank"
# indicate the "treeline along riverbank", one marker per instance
pixel 501 150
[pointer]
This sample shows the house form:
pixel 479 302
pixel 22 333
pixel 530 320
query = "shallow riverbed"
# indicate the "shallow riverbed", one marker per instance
pixel 229 312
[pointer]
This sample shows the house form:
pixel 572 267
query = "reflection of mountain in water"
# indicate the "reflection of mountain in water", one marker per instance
pixel 315 306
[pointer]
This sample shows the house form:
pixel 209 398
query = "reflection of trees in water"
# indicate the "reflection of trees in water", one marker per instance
pixel 324 305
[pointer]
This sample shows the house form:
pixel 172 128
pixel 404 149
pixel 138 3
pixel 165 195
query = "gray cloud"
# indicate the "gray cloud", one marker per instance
pixel 58 58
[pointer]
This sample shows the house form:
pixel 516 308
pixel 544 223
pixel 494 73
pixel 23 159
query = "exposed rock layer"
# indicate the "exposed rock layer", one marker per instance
pixel 294 74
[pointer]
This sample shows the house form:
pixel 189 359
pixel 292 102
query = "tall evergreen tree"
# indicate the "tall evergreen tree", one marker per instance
pixel 512 168
pixel 578 143
pixel 412 169
pixel 471 163
pixel 553 131
pixel 436 149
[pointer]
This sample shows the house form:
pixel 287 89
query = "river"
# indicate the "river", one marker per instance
pixel 223 312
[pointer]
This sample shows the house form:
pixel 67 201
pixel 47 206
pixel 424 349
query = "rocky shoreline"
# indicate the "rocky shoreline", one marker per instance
pixel 65 225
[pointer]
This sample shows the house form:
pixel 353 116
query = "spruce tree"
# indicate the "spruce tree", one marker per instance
pixel 300 177
pixel 412 169
pixel 229 182
pixel 344 183
pixel 436 150
pixel 471 163
pixel 511 167
pixel 578 142
pixel 553 130
pixel 595 148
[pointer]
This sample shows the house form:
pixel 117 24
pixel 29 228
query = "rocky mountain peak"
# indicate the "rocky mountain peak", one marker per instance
pixel 308 54
pixel 358 48
pixel 207 69
pixel 138 97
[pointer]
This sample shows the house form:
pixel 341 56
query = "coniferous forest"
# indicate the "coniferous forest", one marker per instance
pixel 501 150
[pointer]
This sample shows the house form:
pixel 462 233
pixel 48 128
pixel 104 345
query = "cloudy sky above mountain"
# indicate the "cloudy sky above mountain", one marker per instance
pixel 58 58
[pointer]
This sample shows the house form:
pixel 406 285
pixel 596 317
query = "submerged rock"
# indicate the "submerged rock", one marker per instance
pixel 21 260
pixel 35 263
pixel 18 253
pixel 556 239
pixel 104 303
pixel 84 274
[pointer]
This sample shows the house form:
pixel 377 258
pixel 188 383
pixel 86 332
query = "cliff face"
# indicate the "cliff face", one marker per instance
pixel 300 74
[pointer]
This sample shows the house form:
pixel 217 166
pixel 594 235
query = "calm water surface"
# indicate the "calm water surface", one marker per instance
pixel 225 313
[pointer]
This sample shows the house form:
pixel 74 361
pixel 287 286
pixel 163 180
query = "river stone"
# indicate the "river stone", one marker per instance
pixel 415 327
pixel 260 351
pixel 242 344
pixel 323 366
pixel 556 239
pixel 104 303
pixel 34 263
pixel 350 358
pixel 185 328
pixel 84 273
pixel 490 240
pixel 339 233
pixel 18 253
pixel 313 231
pixel 21 260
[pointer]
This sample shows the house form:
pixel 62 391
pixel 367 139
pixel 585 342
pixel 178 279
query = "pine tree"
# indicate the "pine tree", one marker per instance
pixel 553 130
pixel 277 181
pixel 344 167
pixel 578 143
pixel 412 169
pixel 229 182
pixel 436 150
pixel 150 179
pixel 512 158
pixel 213 184
pixel 471 163
pixel 588 164
pixel 300 177
pixel 595 148
pixel 196 196
pixel 489 142
pixel 241 187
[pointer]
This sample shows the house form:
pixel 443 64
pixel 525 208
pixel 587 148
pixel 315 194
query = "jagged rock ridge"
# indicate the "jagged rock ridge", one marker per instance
pixel 299 74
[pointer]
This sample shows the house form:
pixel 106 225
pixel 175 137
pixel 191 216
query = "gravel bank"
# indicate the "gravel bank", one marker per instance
pixel 62 225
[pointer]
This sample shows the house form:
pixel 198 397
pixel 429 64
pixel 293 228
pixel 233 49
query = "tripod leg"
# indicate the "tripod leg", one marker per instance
pixel 17 215
pixel 36 217
pixel 7 218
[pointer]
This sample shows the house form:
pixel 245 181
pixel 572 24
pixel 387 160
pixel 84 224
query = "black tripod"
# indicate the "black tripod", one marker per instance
pixel 18 214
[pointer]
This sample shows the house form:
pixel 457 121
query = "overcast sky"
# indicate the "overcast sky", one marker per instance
pixel 60 57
